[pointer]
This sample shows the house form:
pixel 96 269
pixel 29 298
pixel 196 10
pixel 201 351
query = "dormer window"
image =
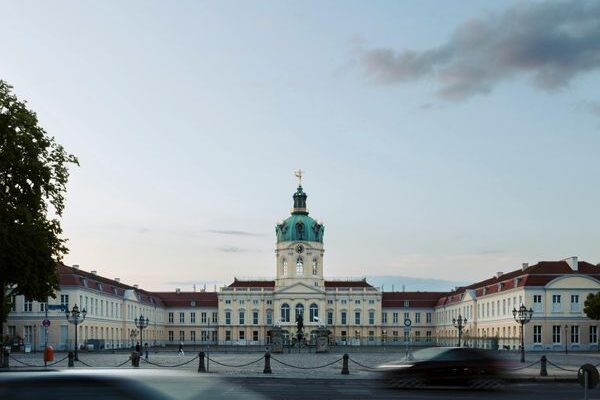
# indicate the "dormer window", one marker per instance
pixel 314 266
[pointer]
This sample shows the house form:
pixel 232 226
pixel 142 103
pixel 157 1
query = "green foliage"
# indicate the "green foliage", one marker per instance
pixel 33 179
pixel 591 307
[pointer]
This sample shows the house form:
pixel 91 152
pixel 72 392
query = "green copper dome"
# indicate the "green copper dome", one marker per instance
pixel 299 226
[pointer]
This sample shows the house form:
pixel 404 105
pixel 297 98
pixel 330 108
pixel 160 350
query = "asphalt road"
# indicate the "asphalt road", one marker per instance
pixel 314 389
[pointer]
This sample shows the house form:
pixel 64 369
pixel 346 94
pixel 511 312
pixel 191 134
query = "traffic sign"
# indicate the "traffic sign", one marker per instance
pixel 46 323
pixel 58 307
pixel 407 322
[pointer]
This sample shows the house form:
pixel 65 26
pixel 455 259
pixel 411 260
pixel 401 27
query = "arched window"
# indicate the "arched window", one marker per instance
pixel 314 266
pixel 314 312
pixel 285 312
pixel 285 268
pixel 299 310
pixel 299 266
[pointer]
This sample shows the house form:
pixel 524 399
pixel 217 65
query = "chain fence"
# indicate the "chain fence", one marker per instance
pixel 300 367
pixel 232 365
pixel 169 366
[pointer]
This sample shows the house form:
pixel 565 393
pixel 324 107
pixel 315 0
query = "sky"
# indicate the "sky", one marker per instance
pixel 440 140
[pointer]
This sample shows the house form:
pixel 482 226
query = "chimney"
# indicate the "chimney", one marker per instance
pixel 135 286
pixel 499 274
pixel 117 279
pixel 75 266
pixel 573 263
pixel 94 272
pixel 524 266
pixel 194 287
pixel 178 291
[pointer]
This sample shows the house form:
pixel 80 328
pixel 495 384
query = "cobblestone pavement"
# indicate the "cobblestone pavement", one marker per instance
pixel 303 365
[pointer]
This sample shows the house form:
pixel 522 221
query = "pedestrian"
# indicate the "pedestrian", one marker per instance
pixel 137 347
pixel 180 353
pixel 146 349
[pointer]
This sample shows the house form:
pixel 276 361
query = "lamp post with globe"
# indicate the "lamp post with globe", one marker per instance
pixel 522 316
pixel 76 317
pixel 141 323
pixel 459 323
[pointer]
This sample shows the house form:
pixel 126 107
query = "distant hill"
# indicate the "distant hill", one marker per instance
pixel 412 284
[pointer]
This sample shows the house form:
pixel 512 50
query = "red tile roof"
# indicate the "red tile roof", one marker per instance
pixel 348 284
pixel 415 299
pixel 265 284
pixel 186 299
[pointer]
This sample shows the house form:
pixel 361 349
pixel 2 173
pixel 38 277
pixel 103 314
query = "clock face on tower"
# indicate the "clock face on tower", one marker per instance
pixel 299 248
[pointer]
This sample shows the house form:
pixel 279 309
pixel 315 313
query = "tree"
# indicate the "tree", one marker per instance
pixel 591 308
pixel 33 179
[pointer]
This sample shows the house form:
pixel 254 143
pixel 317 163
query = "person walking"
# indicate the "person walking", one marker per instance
pixel 181 353
pixel 146 350
pixel 137 347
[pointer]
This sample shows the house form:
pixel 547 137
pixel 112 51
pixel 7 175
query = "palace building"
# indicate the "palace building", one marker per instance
pixel 356 313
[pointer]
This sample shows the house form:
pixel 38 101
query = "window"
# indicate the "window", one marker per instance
pixel 395 318
pixel 242 316
pixel 269 317
pixel 43 307
pixel 64 301
pixel 371 336
pixel 417 336
pixel 556 334
pixel 537 299
pixel 285 312
pixel 255 317
pixel 344 301
pixel 406 316
pixel 343 318
pixel 574 334
pixel 242 335
pixel 357 318
pixel 329 301
pixel 182 336
pixel 356 302
pixel 406 303
pixel 556 303
pixel 314 266
pixel 255 301
pixel 13 303
pixel 214 317
pixel 299 266
pixel 228 336
pixel 371 317
pixel 574 303
pixel 228 301
pixel 28 305
pixel 395 336
pixel 171 336
pixel 371 301
pixel 227 317
pixel 428 318
pixel 255 336
pixel 193 317
pixel 428 336
pixel 593 334
pixel 314 312
pixel 285 267
pixel 203 317
pixel 193 336
pixel 241 301
pixel 537 334
pixel 181 317
pixel 329 317
pixel 417 318
pixel 269 302
pixel 300 310
pixel 384 318
pixel 406 336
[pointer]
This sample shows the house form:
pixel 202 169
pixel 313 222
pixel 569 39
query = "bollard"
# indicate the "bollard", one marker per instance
pixel 267 369
pixel 543 369
pixel 135 359
pixel 71 359
pixel 5 357
pixel 345 365
pixel 201 367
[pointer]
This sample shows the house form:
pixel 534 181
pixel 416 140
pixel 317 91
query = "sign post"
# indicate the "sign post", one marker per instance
pixel 407 324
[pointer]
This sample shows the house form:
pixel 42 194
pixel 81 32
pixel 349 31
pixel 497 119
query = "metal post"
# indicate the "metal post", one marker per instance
pixel 267 369
pixel 543 366
pixel 201 362
pixel 566 339
pixel 46 334
pixel 345 370
pixel 76 345
pixel 522 345
pixel 585 386
pixel 71 359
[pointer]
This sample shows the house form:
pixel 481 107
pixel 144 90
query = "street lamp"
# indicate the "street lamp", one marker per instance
pixel 75 317
pixel 141 323
pixel 459 323
pixel 566 339
pixel 522 316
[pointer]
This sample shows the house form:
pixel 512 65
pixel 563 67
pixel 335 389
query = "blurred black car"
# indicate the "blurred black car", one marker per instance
pixel 447 366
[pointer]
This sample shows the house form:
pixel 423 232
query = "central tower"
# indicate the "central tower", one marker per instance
pixel 299 250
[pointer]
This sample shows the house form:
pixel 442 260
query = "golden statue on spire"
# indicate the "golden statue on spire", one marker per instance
pixel 298 175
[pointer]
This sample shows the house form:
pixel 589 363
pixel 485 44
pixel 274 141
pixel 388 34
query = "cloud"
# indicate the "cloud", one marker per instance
pixel 551 42
pixel 234 232
pixel 232 249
